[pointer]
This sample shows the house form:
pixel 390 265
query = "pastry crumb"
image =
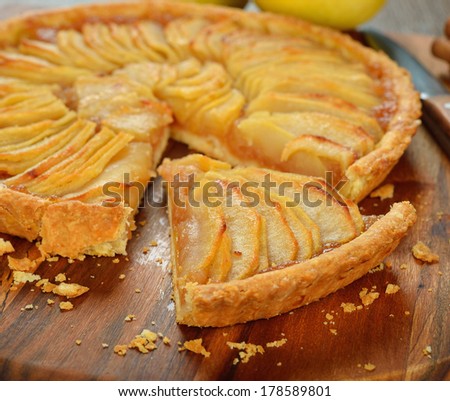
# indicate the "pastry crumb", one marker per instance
pixel 333 331
pixel 153 243
pixel 60 278
pixel 137 291
pixel 392 289
pixel 407 312
pixel 29 307
pixel 78 342
pixel 144 342
pixel 24 264
pixel 348 307
pixel 422 252
pixel 145 249
pixel 105 345
pixel 122 276
pixel 120 349
pixel 5 247
pixel 53 259
pixel 50 301
pixel 403 266
pixel 116 260
pixel 196 347
pixel 66 305
pixel 370 367
pixel 24 277
pixel 277 343
pixel 328 316
pixel 130 318
pixel 166 340
pixel 378 268
pixel 427 351
pixel 142 223
pixel 70 290
pixel 384 192
pixel 368 298
pixel 279 364
pixel 247 350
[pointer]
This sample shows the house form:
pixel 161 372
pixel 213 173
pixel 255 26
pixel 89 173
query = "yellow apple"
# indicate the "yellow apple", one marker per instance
pixel 230 3
pixel 340 14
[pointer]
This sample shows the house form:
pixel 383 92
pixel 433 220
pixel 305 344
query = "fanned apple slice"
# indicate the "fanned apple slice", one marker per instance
pixel 289 102
pixel 198 235
pixel 313 195
pixel 151 40
pixel 67 142
pixel 180 33
pixel 72 43
pixel 20 137
pixel 44 50
pixel 320 124
pixel 221 266
pixel 83 166
pixel 282 245
pixel 99 38
pixel 38 70
pixel 243 227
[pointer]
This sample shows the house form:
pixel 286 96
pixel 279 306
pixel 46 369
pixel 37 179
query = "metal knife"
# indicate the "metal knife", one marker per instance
pixel 435 97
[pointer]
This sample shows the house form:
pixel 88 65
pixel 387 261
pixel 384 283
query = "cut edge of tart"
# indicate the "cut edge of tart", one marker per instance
pixel 224 273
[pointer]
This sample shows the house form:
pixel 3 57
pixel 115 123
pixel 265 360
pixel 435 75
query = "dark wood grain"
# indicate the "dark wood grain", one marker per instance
pixel 40 344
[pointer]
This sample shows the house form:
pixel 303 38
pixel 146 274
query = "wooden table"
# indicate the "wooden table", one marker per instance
pixel 40 344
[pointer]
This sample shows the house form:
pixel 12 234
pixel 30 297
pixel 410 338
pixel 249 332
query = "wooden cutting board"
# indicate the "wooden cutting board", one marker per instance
pixel 40 344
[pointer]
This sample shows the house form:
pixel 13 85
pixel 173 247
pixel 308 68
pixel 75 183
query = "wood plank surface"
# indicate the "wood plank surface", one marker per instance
pixel 39 344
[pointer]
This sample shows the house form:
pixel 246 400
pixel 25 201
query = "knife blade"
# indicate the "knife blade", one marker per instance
pixel 435 97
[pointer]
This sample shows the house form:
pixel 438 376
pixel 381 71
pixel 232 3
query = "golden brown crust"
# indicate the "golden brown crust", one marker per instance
pixel 269 294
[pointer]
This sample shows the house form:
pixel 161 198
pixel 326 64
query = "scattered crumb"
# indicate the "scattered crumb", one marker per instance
pixel 92 276
pixel 329 316
pixel 159 260
pixel 359 307
pixel 235 361
pixel 50 301
pixel 66 305
pixel 439 215
pixel 196 347
pixel 370 367
pixel 5 247
pixel 392 289
pixel 279 364
pixel 224 334
pixel 120 349
pixel 403 266
pixel 427 351
pixel 384 192
pixel 24 264
pixel 29 307
pixel 391 315
pixel 53 259
pixel 116 260
pixel 153 322
pixel 153 243
pixel 137 291
pixel 122 277
pixel 144 342
pixel 388 264
pixel 23 277
pixel 143 223
pixel 333 331
pixel 422 252
pixel 145 249
pixel 407 312
pixel 430 290
pixel 105 345
pixel 70 261
pixel 166 340
pixel 277 344
pixel 247 350
pixel 48 287
pixel 130 318
pixel 70 290
pixel 78 342
pixel 60 278
pixel 348 307
pixel 367 298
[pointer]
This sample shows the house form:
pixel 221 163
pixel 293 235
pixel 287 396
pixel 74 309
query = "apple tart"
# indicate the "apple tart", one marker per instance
pixel 251 243
pixel 89 95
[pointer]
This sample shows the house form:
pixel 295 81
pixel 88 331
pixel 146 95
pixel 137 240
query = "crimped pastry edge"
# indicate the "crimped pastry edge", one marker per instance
pixel 275 292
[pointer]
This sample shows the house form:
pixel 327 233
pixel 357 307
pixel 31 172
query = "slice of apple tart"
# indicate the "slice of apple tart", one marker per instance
pixel 251 243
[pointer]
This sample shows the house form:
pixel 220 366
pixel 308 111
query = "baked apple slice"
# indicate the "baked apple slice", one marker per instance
pixel 251 291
